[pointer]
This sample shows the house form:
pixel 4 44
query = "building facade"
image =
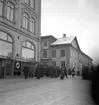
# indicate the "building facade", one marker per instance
pixel 46 41
pixel 20 28
pixel 66 52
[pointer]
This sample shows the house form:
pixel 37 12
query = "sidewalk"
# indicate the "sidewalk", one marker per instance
pixel 21 78
pixel 11 79
pixel 17 79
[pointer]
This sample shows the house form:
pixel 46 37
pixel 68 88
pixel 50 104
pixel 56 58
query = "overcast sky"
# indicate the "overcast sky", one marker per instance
pixel 75 18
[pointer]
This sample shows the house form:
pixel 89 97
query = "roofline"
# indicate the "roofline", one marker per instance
pixel 86 55
pixel 59 45
pixel 64 43
pixel 44 37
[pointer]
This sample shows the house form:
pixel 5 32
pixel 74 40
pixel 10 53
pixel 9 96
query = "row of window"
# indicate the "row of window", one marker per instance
pixel 54 53
pixel 6 47
pixel 45 53
pixel 10 10
pixel 28 23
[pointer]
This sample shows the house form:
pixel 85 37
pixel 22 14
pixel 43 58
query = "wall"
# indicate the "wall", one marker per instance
pixel 58 58
pixel 15 29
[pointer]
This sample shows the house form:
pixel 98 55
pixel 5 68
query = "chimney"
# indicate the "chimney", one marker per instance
pixel 64 35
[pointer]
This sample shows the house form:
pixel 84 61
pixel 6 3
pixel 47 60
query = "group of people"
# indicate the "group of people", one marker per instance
pixel 40 71
pixel 63 72
pixel 28 71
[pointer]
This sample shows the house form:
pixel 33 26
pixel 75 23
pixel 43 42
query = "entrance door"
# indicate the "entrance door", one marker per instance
pixel 9 67
pixel 2 68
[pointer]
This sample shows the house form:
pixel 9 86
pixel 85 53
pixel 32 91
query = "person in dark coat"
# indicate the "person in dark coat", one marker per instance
pixel 62 73
pixel 51 71
pixel 65 71
pixel 38 72
pixel 26 71
pixel 73 72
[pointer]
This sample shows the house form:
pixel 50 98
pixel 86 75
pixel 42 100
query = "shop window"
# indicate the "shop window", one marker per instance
pixel 6 44
pixel 27 50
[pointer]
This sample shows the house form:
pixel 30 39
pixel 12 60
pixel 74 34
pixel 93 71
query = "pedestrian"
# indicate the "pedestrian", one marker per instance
pixel 73 72
pixel 38 72
pixel 51 71
pixel 62 73
pixel 26 71
pixel 31 70
pixel 65 71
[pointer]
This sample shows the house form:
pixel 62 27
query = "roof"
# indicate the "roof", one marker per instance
pixel 44 37
pixel 61 41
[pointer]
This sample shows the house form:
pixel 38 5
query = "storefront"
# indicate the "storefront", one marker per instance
pixel 13 67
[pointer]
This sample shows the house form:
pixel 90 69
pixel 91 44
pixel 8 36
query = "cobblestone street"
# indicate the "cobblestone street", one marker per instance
pixel 46 91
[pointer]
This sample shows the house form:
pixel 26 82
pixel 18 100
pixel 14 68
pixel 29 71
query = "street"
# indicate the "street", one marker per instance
pixel 46 91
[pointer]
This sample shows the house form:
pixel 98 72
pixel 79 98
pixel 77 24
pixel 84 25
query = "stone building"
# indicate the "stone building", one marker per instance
pixel 46 41
pixel 66 51
pixel 20 28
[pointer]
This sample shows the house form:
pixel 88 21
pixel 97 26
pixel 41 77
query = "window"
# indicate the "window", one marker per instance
pixel 62 53
pixel 27 50
pixel 45 44
pixel 1 7
pixel 32 4
pixel 53 63
pixel 10 12
pixel 63 63
pixel 25 20
pixel 53 53
pixel 32 25
pixel 27 1
pixel 6 44
pixel 44 53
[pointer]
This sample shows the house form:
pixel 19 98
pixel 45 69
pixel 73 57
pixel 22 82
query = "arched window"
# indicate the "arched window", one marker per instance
pixel 27 50
pixel 32 25
pixel 6 44
pixel 25 20
pixel 1 7
pixel 10 12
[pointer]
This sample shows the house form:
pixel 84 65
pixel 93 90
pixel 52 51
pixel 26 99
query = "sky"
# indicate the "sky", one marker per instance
pixel 78 18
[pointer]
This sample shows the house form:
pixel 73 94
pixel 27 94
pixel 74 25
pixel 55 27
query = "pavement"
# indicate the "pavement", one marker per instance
pixel 46 91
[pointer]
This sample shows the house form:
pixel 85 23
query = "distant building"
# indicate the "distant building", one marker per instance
pixel 46 41
pixel 66 52
pixel 20 28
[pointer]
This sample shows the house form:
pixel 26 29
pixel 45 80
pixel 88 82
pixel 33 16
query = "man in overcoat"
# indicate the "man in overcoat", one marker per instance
pixel 26 71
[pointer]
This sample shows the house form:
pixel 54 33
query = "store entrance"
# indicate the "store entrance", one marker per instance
pixel 17 68
pixel 6 67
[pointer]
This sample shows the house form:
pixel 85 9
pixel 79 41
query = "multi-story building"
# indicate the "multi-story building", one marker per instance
pixel 66 51
pixel 46 41
pixel 20 27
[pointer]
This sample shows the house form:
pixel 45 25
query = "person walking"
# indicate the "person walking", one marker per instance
pixel 38 72
pixel 65 71
pixel 62 73
pixel 73 72
pixel 26 71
